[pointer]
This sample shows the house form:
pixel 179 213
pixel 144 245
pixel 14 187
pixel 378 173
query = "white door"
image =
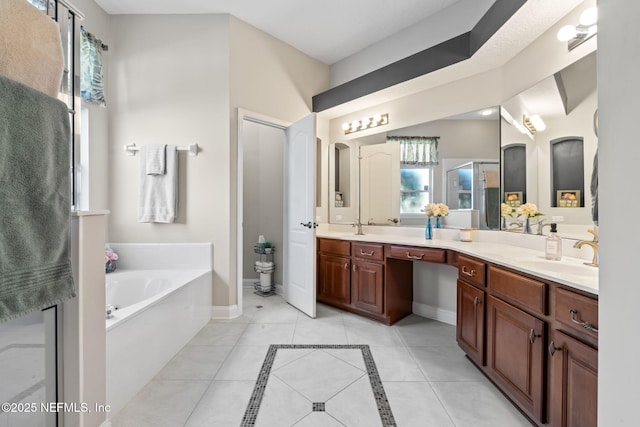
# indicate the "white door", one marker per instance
pixel 380 183
pixel 299 227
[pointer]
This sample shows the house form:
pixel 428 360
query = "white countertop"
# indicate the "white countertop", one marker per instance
pixel 498 247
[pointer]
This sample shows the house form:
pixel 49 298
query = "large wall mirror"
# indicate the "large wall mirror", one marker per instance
pixel 370 178
pixel 553 166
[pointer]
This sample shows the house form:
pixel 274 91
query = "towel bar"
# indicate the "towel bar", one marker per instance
pixel 131 149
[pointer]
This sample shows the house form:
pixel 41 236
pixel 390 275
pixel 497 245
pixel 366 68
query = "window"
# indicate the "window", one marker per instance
pixel 415 189
pixel 418 155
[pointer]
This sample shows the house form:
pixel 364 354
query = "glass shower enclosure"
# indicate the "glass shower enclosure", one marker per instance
pixel 476 186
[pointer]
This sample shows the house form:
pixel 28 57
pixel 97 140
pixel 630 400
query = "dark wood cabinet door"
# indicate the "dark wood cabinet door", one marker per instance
pixel 367 286
pixel 470 321
pixel 334 280
pixel 574 382
pixel 515 354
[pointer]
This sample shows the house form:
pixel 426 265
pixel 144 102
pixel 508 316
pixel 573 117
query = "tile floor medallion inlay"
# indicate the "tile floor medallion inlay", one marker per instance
pixel 331 378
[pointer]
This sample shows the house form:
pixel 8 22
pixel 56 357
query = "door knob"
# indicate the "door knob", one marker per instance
pixel 308 224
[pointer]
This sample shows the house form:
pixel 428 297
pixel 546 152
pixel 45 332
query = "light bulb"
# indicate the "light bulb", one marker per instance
pixel 365 123
pixel 346 126
pixel 377 118
pixel 537 122
pixel 589 16
pixel 567 33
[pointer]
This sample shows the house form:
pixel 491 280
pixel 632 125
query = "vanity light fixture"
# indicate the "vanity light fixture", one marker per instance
pixel 366 123
pixel 534 123
pixel 575 35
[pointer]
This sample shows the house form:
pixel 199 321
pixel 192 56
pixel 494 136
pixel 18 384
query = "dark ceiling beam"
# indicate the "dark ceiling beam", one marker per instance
pixel 434 58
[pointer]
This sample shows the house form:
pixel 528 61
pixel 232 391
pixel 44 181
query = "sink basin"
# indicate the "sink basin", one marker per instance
pixel 572 268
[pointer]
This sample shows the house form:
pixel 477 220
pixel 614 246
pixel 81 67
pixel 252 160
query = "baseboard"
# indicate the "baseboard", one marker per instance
pixel 435 313
pixel 224 312
pixel 279 289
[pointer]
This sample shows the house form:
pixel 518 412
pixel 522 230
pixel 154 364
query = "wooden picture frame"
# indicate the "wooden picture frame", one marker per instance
pixel 568 198
pixel 513 198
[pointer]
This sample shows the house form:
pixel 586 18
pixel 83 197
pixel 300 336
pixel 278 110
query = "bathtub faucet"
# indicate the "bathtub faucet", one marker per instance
pixel 110 309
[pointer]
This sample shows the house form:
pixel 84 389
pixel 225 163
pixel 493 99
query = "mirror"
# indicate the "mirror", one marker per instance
pixel 368 181
pixel 553 167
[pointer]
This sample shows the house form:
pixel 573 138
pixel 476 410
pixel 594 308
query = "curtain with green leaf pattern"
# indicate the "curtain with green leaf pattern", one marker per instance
pixel 417 150
pixel 91 69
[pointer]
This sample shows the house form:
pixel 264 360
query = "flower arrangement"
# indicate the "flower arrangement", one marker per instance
pixel 530 210
pixel 506 210
pixel 110 258
pixel 436 209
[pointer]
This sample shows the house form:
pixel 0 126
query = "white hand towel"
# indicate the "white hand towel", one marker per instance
pixel 154 158
pixel 158 194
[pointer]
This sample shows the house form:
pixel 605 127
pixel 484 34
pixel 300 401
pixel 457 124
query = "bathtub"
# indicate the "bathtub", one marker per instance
pixel 158 312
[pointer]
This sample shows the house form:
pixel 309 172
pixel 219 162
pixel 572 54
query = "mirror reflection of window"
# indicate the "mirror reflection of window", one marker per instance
pixel 415 189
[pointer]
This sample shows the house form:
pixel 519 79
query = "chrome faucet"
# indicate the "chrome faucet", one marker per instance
pixel 541 226
pixel 594 244
pixel 370 222
pixel 359 225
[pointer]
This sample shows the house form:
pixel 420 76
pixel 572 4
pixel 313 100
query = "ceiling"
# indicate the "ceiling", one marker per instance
pixel 328 30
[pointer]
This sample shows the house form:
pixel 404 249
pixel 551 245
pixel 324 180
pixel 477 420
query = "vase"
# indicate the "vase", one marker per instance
pixel 428 233
pixel 504 223
pixel 437 222
pixel 526 228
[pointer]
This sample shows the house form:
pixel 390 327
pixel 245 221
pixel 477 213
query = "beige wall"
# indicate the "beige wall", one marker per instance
pixel 178 79
pixel 271 78
pixel 168 83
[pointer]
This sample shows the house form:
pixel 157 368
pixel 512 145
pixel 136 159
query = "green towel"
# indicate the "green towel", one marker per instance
pixel 35 203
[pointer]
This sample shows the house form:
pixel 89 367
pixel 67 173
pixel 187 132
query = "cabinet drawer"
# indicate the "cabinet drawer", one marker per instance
pixel 521 290
pixel 368 251
pixel 471 270
pixel 338 247
pixel 577 312
pixel 419 254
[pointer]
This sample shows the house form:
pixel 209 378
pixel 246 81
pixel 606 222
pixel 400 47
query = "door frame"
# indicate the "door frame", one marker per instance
pixel 262 119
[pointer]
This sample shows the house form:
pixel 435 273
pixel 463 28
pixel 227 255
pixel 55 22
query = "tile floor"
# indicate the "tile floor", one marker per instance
pixel 425 375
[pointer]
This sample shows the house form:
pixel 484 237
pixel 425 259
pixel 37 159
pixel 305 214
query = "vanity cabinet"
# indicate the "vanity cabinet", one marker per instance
pixel 573 361
pixel 574 382
pixel 470 297
pixel 334 272
pixel 367 278
pixel 515 354
pixel 470 321
pixel 536 340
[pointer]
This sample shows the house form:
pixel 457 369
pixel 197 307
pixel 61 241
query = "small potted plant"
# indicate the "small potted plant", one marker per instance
pixel 267 247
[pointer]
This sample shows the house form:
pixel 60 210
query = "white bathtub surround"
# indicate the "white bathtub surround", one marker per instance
pixel 163 256
pixel 162 304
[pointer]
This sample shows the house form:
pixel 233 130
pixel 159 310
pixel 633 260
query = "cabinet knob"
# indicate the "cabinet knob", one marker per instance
pixel 354 268
pixel 532 336
pixel 553 348
pixel 476 301
pixel 346 265
pixel 366 253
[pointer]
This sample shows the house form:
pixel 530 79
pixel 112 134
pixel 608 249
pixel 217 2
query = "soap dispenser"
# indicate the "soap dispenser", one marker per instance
pixel 553 245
